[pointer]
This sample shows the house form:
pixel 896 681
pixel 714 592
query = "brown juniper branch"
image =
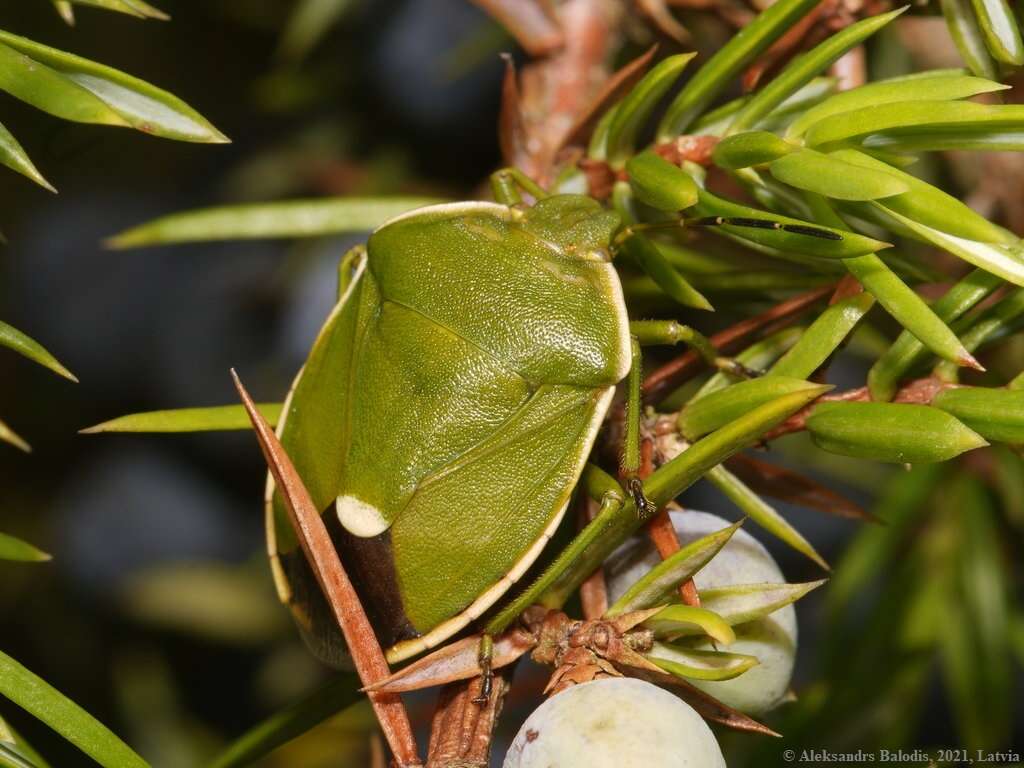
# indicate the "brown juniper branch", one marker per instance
pixel 618 85
pixel 593 591
pixel 531 22
pixel 460 734
pixel 557 90
pixel 660 529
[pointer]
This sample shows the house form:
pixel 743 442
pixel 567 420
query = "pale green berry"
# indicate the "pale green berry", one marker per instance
pixel 743 560
pixel 614 723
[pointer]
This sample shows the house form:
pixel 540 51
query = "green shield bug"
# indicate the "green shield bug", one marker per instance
pixel 449 404
pixel 470 361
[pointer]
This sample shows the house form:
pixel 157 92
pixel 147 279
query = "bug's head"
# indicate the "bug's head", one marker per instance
pixel 576 223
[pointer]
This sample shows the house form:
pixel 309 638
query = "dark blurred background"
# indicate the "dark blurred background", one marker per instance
pixel 157 613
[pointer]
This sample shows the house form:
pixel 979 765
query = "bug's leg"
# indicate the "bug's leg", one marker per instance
pixel 485 656
pixel 507 182
pixel 617 519
pixel 669 332
pixel 637 465
pixel 631 460
pixel 347 267
pixel 752 223
pixel 600 486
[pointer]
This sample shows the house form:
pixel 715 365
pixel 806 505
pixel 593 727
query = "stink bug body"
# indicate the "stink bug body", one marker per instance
pixel 450 401
pixel 448 406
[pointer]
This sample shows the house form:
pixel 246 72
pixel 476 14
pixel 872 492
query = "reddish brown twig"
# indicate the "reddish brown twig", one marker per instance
pixel 531 22
pixel 593 591
pixel 601 176
pixel 793 487
pixel 689 148
pixel 556 90
pixel 846 287
pixel 336 586
pixel 460 734
pixel 660 15
pixel 784 47
pixel 660 529
pixel 617 86
pixel 663 379
pixel 850 69
pixel 511 129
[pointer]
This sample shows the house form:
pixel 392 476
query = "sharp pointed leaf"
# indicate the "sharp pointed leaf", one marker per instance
pixel 968 38
pixel 794 488
pixel 458 660
pixel 717 121
pixel 12 338
pixel 929 205
pixel 907 351
pixel 740 603
pixel 899 300
pixel 81 90
pixel 805 66
pixel 651 260
pixel 14 157
pixel 44 702
pixel 292 218
pixel 658 584
pixel 1005 261
pixel 915 118
pixel 823 337
pixel 716 409
pixel 944 87
pixel 707 706
pixel 717 74
pixel 21 551
pixel 762 513
pixel 66 11
pixel 700 665
pixel 667 482
pixel 214 419
pixel 829 176
pixel 9 436
pixel 636 108
pixel 135 8
pixel 901 433
pixel 907 307
pixel 672 619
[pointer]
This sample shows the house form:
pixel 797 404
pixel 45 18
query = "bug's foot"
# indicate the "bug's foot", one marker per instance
pixel 485 658
pixel 736 368
pixel 486 685
pixel 645 508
